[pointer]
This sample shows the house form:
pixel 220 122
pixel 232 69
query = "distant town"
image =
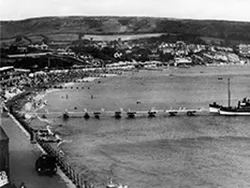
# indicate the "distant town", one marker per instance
pixel 84 57
pixel 118 54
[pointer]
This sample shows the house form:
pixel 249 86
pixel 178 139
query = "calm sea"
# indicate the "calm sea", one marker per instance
pixel 202 151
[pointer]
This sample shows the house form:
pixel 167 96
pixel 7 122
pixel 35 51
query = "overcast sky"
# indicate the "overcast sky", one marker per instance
pixel 195 9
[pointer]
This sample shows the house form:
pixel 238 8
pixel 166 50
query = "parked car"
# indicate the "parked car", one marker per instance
pixel 46 165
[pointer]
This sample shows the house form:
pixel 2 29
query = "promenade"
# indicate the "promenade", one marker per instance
pixel 23 155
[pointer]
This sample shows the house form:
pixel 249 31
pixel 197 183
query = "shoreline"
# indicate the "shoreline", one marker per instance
pixel 23 102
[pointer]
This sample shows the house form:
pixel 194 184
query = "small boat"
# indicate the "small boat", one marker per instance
pixel 214 108
pixel 111 184
pixel 114 185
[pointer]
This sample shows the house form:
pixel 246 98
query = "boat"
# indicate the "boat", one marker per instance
pixel 242 109
pixel 114 185
pixel 214 108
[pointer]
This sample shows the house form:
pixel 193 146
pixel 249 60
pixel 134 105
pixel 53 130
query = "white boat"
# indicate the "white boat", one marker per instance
pixel 214 108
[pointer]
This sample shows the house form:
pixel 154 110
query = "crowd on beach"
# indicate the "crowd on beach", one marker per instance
pixel 41 81
pixel 44 80
pixel 37 82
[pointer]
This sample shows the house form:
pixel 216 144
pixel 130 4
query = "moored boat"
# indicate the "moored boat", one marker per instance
pixel 214 108
pixel 243 109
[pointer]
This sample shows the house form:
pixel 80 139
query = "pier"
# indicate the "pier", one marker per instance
pixel 130 114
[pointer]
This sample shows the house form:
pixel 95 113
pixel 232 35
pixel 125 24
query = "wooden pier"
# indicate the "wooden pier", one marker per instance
pixel 120 113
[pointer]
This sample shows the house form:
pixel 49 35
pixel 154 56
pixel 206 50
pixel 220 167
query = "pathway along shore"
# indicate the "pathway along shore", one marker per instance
pixel 23 155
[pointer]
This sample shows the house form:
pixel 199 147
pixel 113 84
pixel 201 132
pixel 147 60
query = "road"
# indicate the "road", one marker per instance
pixel 23 155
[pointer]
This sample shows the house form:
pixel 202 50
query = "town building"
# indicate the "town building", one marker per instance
pixel 244 49
pixel 41 46
pixel 182 61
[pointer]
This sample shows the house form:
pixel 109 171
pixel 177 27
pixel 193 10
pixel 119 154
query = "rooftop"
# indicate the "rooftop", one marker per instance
pixel 6 68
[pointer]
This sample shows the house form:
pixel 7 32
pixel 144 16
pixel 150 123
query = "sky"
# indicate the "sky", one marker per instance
pixel 237 10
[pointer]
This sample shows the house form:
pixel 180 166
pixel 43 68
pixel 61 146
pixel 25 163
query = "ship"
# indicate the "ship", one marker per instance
pixel 242 109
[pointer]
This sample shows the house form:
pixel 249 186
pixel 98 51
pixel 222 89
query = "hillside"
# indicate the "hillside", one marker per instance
pixel 70 28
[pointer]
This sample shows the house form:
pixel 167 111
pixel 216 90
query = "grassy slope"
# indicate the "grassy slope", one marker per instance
pixel 124 25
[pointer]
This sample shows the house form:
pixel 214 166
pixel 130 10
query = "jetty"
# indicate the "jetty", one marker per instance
pixel 130 114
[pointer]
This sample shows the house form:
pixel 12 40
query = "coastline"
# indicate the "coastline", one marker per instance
pixel 21 107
